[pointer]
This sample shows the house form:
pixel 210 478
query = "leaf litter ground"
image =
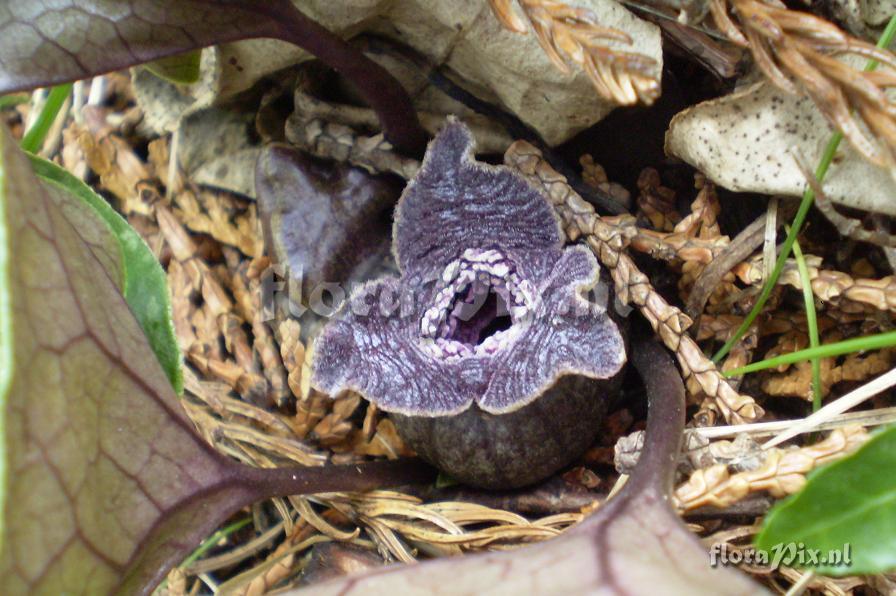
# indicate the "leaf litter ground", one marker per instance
pixel 247 391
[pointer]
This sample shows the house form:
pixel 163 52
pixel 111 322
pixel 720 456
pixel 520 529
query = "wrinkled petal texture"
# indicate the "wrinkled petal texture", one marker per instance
pixel 455 203
pixel 567 336
pixel 378 355
pixel 377 347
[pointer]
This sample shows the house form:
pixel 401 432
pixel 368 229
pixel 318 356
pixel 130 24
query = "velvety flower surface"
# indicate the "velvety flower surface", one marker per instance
pixel 488 307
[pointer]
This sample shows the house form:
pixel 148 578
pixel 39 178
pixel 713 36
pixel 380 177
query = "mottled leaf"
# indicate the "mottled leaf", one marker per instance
pixel 143 284
pixel 98 450
pixel 47 43
pixel 100 239
pixel 848 502
pixel 104 483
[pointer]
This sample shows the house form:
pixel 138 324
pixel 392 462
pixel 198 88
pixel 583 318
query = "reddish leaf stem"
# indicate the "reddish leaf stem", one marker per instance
pixel 380 89
pixel 264 483
pixel 665 417
pixel 184 524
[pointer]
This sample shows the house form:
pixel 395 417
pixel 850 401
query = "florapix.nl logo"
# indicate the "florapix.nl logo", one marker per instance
pixel 787 554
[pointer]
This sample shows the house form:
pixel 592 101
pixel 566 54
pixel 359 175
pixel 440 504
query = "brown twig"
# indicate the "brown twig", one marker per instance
pixel 380 89
pixel 847 226
pixel 743 245
pixel 608 243
pixel 720 59
pixel 553 496
pixel 830 286
pixel 782 472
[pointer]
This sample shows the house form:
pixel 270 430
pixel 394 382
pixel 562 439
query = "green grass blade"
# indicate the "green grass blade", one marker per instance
pixel 856 344
pixel 12 100
pixel 808 199
pixel 210 542
pixel 34 138
pixel 795 226
pixel 811 323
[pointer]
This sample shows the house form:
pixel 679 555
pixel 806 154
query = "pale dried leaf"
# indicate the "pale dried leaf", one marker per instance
pixel 746 142
pixel 467 37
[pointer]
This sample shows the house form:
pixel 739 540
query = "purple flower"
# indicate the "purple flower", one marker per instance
pixel 488 307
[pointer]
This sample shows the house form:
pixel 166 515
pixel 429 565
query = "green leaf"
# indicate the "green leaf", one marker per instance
pixel 34 138
pixel 181 68
pixel 13 99
pixel 851 501
pixel 144 283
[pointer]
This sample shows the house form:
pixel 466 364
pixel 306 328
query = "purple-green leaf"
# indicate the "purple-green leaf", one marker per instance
pixel 97 448
pixel 104 483
pixel 44 43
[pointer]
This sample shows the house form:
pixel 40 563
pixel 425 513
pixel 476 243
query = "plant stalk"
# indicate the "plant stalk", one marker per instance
pixel 265 483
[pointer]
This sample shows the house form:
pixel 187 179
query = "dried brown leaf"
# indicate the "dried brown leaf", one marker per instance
pixel 568 33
